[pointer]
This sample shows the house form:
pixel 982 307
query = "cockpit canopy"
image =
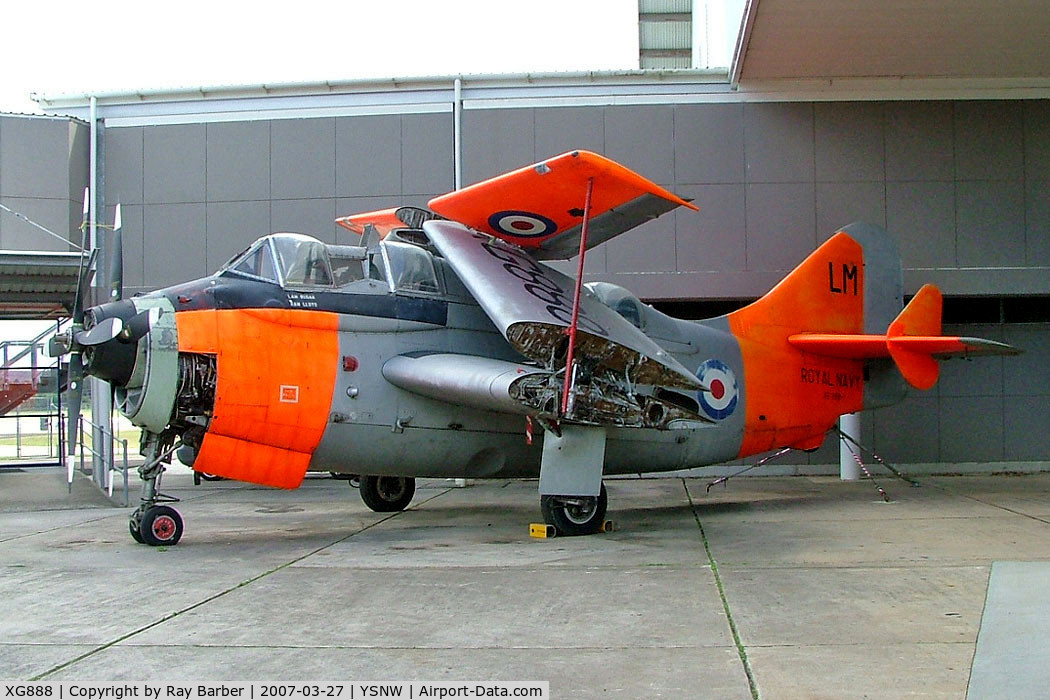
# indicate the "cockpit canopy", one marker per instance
pixel 297 260
pixel 621 301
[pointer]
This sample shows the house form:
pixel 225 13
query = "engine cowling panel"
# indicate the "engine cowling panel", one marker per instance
pixel 275 374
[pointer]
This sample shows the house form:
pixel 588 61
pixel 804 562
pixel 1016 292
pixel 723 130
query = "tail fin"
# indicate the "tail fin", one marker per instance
pixel 845 302
pixel 831 337
pixel 850 284
pixel 920 318
pixel 849 287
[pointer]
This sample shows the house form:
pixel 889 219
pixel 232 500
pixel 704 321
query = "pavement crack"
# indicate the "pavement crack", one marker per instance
pixel 996 505
pixel 220 594
pixel 741 651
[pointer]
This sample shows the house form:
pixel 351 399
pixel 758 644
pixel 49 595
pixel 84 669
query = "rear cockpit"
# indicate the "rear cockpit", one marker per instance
pixel 621 301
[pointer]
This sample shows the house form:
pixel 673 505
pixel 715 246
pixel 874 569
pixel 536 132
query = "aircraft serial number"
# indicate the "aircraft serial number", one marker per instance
pixel 300 691
pixel 28 691
pixel 541 287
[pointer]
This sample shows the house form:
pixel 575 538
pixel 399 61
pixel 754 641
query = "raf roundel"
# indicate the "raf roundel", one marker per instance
pixel 524 224
pixel 720 400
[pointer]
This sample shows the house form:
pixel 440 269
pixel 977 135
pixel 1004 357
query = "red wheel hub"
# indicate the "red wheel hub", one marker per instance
pixel 164 527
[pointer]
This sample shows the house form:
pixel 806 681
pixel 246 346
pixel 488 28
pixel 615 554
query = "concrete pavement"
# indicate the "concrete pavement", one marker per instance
pixel 829 591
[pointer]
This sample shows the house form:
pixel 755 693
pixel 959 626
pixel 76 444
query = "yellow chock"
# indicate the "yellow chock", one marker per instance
pixel 608 526
pixel 542 530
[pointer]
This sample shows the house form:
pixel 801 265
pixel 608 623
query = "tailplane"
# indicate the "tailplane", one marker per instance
pixel 844 301
pixel 913 340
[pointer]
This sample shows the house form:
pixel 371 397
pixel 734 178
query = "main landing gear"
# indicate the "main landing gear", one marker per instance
pixel 155 523
pixel 575 515
pixel 387 494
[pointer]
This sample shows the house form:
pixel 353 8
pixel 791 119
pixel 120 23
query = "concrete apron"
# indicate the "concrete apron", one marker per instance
pixel 771 587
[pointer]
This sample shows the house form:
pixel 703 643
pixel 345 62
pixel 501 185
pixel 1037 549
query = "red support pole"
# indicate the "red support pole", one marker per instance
pixel 569 355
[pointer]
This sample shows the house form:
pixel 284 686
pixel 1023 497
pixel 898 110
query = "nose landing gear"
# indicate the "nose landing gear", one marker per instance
pixel 153 523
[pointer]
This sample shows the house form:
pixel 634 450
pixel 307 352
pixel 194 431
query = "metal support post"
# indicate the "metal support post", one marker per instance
pixel 849 469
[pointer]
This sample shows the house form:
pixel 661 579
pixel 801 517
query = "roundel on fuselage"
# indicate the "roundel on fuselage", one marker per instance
pixel 720 399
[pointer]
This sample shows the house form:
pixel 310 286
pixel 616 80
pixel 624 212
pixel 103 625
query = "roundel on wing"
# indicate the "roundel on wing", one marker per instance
pixel 524 224
pixel 720 399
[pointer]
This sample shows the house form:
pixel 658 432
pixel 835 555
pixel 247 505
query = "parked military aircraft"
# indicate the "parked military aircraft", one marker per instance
pixel 434 347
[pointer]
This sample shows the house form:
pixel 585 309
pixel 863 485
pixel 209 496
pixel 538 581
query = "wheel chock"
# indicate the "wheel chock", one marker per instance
pixel 608 526
pixel 542 530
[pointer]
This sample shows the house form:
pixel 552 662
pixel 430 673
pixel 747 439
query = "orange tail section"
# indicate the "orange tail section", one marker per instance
pixel 793 397
pixel 819 344
pixel 920 318
pixel 913 340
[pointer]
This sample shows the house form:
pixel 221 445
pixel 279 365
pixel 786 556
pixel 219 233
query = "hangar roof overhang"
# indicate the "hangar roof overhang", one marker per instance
pixel 958 40
pixel 37 285
pixel 438 94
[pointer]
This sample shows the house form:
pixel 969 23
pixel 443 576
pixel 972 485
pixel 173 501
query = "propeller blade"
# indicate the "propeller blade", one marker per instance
pixel 115 276
pixel 104 332
pixel 76 393
pixel 82 288
pixel 140 325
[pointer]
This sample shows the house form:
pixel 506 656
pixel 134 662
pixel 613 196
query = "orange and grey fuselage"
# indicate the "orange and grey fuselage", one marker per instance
pixel 433 351
pixel 267 379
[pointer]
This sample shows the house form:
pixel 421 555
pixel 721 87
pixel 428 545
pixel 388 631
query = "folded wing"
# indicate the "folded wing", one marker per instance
pixel 540 207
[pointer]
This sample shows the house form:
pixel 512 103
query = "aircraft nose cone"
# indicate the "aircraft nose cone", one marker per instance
pixel 114 359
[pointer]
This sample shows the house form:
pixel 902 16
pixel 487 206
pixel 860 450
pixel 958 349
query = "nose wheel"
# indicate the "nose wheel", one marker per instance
pixel 154 522
pixel 157 526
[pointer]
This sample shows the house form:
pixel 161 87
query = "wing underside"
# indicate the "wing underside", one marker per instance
pixel 625 378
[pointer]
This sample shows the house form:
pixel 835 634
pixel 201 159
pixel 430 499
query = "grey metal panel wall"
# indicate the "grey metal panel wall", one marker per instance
pixel 43 171
pixel 962 186
pixel 193 195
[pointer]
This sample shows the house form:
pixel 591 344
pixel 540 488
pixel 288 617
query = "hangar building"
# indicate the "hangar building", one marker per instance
pixel 937 128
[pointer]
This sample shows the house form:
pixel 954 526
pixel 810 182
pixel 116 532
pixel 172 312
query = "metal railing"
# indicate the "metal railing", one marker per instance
pixel 33 348
pixel 108 457
pixel 28 448
pixel 24 362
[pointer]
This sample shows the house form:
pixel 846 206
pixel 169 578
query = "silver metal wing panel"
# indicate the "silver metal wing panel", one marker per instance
pixel 531 304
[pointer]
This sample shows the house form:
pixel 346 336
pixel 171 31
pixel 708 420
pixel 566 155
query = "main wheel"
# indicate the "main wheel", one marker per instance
pixel 160 526
pixel 387 494
pixel 575 515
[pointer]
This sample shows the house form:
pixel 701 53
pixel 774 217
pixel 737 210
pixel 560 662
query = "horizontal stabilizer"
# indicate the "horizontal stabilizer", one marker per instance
pixel 913 340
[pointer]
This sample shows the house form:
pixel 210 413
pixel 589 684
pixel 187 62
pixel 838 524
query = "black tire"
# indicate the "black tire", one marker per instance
pixel 133 528
pixel 575 515
pixel 211 477
pixel 387 494
pixel 161 526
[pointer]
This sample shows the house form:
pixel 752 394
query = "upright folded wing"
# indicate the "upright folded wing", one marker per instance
pixel 540 207
pixel 531 304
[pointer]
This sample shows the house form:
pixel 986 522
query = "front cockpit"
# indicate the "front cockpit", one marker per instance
pixel 297 261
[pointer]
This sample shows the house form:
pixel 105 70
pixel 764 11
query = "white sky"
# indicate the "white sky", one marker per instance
pixel 116 45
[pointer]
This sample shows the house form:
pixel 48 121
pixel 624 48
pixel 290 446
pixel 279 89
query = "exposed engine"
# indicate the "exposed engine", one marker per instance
pixel 195 396
pixel 600 397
